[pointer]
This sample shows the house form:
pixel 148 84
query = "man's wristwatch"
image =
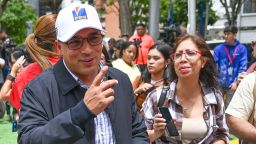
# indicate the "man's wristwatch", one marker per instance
pixel 10 77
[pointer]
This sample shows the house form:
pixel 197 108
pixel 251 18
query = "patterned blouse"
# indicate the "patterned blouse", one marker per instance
pixel 213 115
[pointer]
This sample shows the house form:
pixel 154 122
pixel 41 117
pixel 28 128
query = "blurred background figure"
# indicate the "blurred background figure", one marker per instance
pixel 145 42
pixel 231 60
pixel 156 74
pixel 105 60
pixel 252 67
pixel 7 46
pixel 116 49
pixel 111 43
pixel 16 61
pixel 128 53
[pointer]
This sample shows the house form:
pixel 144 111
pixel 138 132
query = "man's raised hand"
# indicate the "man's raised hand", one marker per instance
pixel 100 94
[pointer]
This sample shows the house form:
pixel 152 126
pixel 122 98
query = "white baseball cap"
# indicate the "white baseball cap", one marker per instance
pixel 74 18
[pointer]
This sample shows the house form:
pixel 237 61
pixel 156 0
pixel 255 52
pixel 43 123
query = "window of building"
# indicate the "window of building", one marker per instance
pixel 249 6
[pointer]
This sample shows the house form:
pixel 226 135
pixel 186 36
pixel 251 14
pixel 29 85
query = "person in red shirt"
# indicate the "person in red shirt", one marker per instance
pixel 40 45
pixel 145 42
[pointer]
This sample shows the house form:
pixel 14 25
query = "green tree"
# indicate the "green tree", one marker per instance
pixel 232 10
pixel 140 12
pixel 181 11
pixel 14 18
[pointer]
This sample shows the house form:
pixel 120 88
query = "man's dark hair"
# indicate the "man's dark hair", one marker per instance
pixel 232 29
pixel 124 35
pixel 140 24
pixel 112 41
pixel 119 44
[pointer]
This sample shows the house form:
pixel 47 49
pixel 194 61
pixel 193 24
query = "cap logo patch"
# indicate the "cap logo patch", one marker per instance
pixel 79 14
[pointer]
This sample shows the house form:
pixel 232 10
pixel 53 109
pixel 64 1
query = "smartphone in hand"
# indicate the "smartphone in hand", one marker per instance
pixel 169 121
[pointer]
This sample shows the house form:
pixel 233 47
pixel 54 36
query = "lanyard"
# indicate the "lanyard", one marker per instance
pixel 233 56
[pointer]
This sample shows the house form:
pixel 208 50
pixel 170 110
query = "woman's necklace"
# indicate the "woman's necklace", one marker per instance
pixel 153 82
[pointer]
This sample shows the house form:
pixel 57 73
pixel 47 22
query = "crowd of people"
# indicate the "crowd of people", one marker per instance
pixel 69 86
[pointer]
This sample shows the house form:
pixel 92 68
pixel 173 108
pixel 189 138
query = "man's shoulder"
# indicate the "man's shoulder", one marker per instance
pixel 114 72
pixel 250 78
pixel 117 74
pixel 242 100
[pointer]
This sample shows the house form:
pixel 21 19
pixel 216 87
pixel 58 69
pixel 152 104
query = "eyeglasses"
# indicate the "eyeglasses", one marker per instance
pixel 189 55
pixel 77 42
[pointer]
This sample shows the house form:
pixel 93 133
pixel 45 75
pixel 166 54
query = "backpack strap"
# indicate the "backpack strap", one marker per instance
pixel 162 96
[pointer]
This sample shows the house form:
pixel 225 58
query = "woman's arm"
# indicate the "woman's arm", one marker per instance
pixel 7 86
pixel 5 90
pixel 242 128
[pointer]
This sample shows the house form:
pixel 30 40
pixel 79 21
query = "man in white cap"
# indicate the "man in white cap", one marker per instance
pixel 79 101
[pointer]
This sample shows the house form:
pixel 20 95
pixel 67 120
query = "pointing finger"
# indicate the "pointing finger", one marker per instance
pixel 100 76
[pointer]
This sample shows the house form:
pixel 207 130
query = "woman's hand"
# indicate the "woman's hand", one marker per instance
pixel 17 66
pixel 143 88
pixel 159 125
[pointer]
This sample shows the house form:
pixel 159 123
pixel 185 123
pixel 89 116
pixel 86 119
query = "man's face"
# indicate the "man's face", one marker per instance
pixel 229 37
pixel 140 30
pixel 83 61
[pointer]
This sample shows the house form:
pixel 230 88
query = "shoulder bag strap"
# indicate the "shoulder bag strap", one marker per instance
pixel 162 96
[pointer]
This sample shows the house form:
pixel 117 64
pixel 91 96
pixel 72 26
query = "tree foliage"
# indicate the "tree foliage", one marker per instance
pixel 181 11
pixel 140 12
pixel 232 10
pixel 14 18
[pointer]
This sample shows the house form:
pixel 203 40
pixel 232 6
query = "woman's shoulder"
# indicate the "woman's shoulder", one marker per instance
pixel 212 95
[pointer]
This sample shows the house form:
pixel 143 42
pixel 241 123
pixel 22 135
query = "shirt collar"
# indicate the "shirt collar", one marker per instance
pixel 76 78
